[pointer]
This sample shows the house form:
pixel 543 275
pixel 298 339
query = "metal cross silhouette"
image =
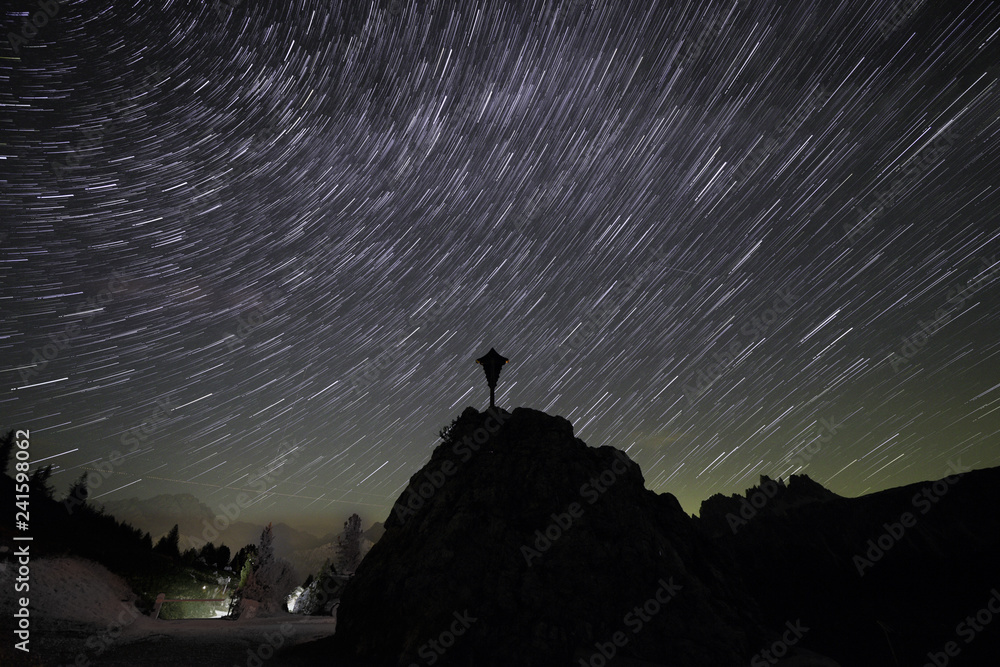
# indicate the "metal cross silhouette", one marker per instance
pixel 492 362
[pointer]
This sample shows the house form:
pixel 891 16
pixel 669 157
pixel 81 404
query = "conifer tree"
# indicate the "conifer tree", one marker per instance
pixel 6 449
pixel 169 544
pixel 270 579
pixel 76 497
pixel 349 545
pixel 38 483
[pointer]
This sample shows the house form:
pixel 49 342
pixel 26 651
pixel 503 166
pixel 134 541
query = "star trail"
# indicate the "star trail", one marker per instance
pixel 255 241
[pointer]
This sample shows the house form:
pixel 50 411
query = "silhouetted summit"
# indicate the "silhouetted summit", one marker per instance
pixel 517 544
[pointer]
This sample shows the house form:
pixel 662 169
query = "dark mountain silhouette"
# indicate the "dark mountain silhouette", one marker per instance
pixel 465 552
pixel 728 514
pixel 375 532
pixel 884 579
pixel 891 576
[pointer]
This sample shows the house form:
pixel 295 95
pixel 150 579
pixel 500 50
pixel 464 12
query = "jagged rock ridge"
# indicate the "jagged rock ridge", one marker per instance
pixel 720 514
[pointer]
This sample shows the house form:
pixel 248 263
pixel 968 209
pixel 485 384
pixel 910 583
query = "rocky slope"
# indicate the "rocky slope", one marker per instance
pixel 890 576
pixel 517 544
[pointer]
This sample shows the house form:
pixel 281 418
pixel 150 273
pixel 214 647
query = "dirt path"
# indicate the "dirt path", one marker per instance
pixel 251 643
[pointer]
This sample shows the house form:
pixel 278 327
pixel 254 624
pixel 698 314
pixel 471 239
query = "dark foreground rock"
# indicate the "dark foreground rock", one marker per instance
pixel 893 577
pixel 517 544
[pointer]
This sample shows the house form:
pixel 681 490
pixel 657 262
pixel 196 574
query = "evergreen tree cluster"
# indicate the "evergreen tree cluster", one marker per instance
pixel 265 579
pixel 319 595
pixel 72 527
pixel 349 545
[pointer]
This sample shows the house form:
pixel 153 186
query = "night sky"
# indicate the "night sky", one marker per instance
pixel 275 236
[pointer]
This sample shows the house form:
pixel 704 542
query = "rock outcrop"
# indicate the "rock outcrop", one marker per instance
pixel 518 544
pixel 881 579
pixel 721 514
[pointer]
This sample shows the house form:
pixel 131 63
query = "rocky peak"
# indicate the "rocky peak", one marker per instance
pixel 519 544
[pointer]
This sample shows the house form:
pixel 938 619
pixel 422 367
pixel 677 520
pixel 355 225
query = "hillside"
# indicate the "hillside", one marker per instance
pixel 540 547
pixel 517 534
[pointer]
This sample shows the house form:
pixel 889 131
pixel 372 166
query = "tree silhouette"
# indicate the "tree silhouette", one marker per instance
pixel 270 579
pixel 244 562
pixel 249 552
pixel 77 494
pixel 209 554
pixel 349 545
pixel 169 544
pixel 38 483
pixel 222 556
pixel 6 450
pixel 265 548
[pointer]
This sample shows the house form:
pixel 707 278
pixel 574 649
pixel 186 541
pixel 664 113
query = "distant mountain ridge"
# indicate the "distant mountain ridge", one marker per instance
pixel 159 514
